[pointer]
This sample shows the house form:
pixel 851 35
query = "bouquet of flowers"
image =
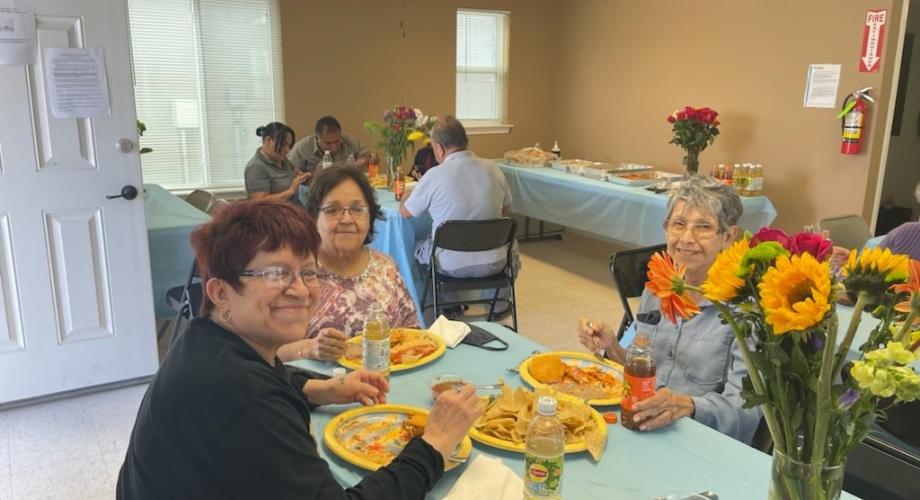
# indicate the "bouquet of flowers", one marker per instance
pixel 693 129
pixel 778 294
pixel 401 127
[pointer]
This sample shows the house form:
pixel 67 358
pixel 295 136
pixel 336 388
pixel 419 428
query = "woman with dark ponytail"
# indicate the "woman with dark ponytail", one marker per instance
pixel 269 175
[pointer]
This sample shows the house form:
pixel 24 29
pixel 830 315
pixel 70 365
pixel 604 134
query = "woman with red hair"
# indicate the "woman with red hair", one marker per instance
pixel 224 418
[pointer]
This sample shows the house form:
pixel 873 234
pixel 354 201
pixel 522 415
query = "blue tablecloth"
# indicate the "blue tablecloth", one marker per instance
pixel 874 242
pixel 170 220
pixel 396 237
pixel 686 456
pixel 628 214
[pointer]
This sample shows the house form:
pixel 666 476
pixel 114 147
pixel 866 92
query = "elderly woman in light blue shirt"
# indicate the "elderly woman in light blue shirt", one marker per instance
pixel 698 364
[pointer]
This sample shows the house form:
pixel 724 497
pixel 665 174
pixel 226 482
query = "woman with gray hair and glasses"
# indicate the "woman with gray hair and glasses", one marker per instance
pixel 698 364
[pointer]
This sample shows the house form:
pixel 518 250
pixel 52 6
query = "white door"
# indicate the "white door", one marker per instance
pixel 76 308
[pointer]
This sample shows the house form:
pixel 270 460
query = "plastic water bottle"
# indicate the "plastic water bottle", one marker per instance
pixel 377 341
pixel 327 159
pixel 545 453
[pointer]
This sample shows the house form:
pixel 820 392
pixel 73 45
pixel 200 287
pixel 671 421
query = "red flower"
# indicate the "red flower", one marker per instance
pixel 671 119
pixel 813 243
pixel 769 234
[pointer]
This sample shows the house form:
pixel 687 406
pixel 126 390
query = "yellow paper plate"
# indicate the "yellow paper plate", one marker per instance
pixel 582 359
pixel 505 444
pixel 337 447
pixel 438 352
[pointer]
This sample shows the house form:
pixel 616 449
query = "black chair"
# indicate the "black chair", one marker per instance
pixel 883 467
pixel 628 269
pixel 472 236
pixel 185 300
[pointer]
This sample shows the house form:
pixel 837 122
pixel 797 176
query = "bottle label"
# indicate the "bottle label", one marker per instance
pixel 543 475
pixel 755 184
pixel 636 389
pixel 377 354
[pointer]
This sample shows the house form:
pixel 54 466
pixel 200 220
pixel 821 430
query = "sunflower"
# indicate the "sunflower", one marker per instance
pixel 794 293
pixel 667 283
pixel 874 271
pixel 726 275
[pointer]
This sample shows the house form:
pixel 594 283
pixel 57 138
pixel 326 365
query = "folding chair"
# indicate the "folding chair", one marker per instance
pixel 200 199
pixel 185 300
pixel 473 236
pixel 628 269
pixel 848 231
pixel 882 467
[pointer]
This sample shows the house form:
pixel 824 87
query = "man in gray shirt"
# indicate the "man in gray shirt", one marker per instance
pixel 463 187
pixel 307 154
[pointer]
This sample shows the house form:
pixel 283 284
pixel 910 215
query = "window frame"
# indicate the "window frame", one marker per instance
pixel 501 125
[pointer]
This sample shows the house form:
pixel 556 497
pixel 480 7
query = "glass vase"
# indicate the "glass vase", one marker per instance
pixel 393 165
pixel 794 480
pixel 692 162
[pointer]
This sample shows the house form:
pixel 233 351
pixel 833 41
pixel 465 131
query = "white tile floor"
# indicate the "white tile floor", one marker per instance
pixel 73 449
pixel 69 449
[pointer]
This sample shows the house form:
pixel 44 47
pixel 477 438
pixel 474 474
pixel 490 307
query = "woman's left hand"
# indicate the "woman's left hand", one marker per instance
pixel 360 386
pixel 663 408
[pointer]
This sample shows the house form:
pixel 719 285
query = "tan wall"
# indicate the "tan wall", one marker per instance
pixel 348 58
pixel 627 65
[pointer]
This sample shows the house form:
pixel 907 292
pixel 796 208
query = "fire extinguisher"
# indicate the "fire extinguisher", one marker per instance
pixel 854 114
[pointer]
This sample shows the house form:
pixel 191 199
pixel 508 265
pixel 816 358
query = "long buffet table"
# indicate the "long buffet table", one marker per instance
pixel 686 456
pixel 631 215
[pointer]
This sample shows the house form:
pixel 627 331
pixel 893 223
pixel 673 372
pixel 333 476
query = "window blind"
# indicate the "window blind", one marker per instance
pixel 482 65
pixel 206 74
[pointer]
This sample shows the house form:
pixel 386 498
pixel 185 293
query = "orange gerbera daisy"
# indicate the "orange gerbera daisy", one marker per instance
pixel 912 286
pixel 667 283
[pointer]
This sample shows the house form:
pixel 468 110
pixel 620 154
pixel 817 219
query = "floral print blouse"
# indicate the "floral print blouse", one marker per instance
pixel 345 301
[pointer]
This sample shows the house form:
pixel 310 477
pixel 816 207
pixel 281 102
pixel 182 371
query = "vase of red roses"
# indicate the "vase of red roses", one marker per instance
pixel 693 129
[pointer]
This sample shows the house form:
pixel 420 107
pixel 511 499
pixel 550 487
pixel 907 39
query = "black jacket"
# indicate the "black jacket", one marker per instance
pixel 219 422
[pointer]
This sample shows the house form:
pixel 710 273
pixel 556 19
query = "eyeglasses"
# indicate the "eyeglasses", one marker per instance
pixel 336 212
pixel 281 277
pixel 699 230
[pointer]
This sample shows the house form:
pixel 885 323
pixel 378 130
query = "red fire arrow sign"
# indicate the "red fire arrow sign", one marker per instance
pixel 873 35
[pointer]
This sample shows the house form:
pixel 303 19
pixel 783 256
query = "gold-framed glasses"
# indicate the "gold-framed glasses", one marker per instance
pixel 281 277
pixel 700 230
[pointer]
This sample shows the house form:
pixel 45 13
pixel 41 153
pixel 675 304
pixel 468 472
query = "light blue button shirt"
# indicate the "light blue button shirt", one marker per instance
pixel 700 358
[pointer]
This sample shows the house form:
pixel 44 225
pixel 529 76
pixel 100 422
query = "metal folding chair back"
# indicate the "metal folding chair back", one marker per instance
pixel 628 268
pixel 200 199
pixel 848 231
pixel 185 300
pixel 473 236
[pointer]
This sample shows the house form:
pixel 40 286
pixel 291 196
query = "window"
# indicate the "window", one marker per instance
pixel 482 70
pixel 206 74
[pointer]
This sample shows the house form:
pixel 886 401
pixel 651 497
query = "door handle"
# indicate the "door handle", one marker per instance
pixel 127 192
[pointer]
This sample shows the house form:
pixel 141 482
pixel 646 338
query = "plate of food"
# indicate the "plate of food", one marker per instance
pixel 409 348
pixel 378 181
pixel 504 422
pixel 576 374
pixel 631 167
pixel 371 436
pixel 529 157
pixel 640 178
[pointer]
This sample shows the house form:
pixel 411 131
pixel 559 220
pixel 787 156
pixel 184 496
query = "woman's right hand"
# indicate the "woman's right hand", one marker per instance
pixel 299 179
pixel 595 335
pixel 328 345
pixel 451 418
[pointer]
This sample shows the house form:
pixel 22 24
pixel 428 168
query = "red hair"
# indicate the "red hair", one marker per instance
pixel 226 244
